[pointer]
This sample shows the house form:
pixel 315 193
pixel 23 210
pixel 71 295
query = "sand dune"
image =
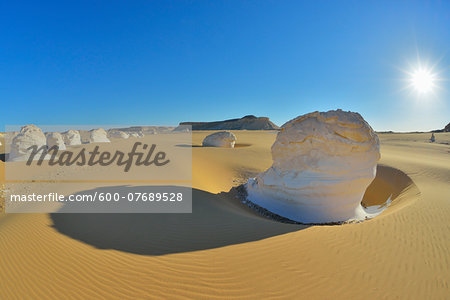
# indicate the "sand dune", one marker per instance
pixel 225 250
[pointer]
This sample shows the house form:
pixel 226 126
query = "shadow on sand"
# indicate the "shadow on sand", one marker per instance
pixel 389 183
pixel 4 157
pixel 216 220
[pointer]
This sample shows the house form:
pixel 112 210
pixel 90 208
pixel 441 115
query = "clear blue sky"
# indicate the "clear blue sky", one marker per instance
pixel 162 62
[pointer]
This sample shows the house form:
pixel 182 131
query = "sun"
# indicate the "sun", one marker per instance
pixel 423 80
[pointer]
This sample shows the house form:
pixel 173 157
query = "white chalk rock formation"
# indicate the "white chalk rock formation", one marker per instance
pixel 98 136
pixel 55 139
pixel 9 136
pixel 118 134
pixel 322 164
pixel 28 136
pixel 182 129
pixel 223 139
pixel 150 131
pixel 136 134
pixel 72 137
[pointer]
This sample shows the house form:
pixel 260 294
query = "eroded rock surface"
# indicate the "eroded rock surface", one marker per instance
pixel 223 139
pixel 322 164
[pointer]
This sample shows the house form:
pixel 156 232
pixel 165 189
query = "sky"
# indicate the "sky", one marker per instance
pixel 164 62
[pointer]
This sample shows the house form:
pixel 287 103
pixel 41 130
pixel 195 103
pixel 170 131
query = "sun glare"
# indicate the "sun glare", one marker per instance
pixel 422 80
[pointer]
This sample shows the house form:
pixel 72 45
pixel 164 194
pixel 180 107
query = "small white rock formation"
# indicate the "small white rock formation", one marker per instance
pixel 136 134
pixel 118 134
pixel 98 136
pixel 182 129
pixel 29 135
pixel 223 139
pixel 322 164
pixel 72 137
pixel 55 139
pixel 150 131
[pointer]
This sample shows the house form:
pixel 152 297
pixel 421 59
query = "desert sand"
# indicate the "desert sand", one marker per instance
pixel 226 250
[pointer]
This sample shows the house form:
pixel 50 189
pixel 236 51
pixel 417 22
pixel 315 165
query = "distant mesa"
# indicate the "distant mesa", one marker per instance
pixel 246 123
pixel 446 129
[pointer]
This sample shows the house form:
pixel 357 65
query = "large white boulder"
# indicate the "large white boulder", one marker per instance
pixel 118 134
pixel 98 136
pixel 55 139
pixel 72 137
pixel 29 135
pixel 224 139
pixel 322 164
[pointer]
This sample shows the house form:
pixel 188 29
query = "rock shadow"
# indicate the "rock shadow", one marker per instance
pixel 389 184
pixel 217 220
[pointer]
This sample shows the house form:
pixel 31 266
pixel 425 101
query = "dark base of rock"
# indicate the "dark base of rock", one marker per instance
pixel 240 192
